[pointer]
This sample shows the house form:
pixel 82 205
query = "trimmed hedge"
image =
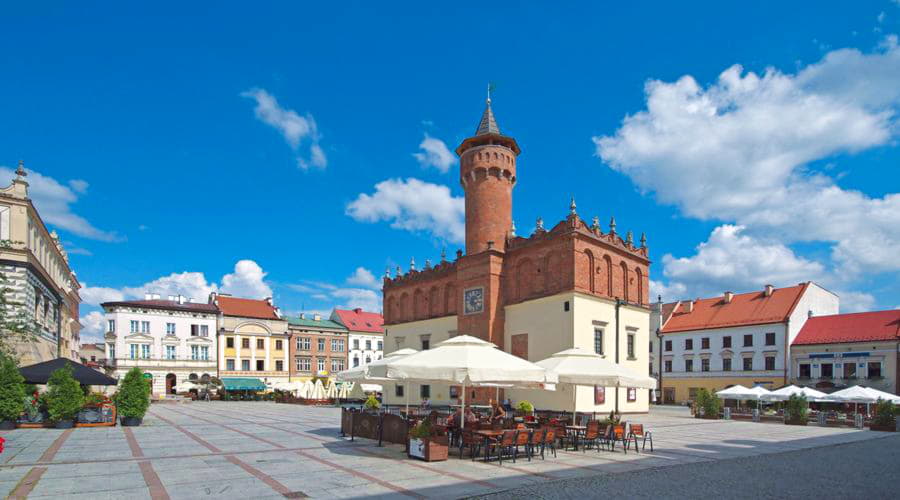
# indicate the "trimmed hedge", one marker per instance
pixel 133 397
pixel 64 395
pixel 12 390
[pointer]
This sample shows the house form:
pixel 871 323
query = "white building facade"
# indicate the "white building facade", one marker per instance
pixel 365 335
pixel 172 340
pixel 735 339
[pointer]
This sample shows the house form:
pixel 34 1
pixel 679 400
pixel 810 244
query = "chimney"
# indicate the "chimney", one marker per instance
pixel 148 296
pixel 689 306
pixel 769 290
pixel 317 317
pixel 810 314
pixel 268 300
pixel 728 297
pixel 358 310
pixel 180 299
pixel 302 315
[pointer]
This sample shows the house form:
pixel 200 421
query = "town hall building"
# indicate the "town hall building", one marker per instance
pixel 569 285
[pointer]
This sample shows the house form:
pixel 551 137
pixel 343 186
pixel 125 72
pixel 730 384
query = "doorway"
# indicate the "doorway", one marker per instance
pixel 170 383
pixel 668 395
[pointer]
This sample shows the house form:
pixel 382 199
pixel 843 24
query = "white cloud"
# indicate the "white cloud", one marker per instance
pixel 732 261
pixel 79 186
pixel 364 278
pixel 247 280
pixel 881 16
pixel 351 298
pixel 435 154
pixel 413 205
pixel 294 128
pixel 856 301
pixel 53 201
pixel 92 327
pixel 739 151
pixel 96 295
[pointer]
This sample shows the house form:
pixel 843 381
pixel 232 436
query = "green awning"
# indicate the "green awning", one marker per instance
pixel 243 384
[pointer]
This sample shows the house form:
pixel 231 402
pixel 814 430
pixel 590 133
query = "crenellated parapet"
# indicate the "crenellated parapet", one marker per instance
pixel 414 276
pixel 574 225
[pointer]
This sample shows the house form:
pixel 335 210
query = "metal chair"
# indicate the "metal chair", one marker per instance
pixel 549 441
pixel 535 440
pixel 636 432
pixel 522 438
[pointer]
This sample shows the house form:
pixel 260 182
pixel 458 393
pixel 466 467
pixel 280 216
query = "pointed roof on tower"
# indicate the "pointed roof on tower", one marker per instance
pixel 488 132
pixel 488 124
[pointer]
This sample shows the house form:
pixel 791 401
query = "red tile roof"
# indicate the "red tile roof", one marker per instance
pixel 753 308
pixel 855 327
pixel 357 320
pixel 246 308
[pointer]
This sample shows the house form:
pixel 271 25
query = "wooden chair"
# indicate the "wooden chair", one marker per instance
pixel 536 440
pixel 523 436
pixel 506 445
pixel 591 436
pixel 549 441
pixel 636 432
pixel 470 440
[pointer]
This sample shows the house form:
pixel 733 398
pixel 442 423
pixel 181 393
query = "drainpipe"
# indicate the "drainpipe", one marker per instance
pixel 659 368
pixel 618 305
pixel 787 345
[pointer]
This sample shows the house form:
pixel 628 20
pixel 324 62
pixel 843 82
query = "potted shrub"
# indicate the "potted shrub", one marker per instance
pixel 885 417
pixel 708 405
pixel 133 398
pixel 795 410
pixel 92 411
pixel 426 444
pixel 64 398
pixel 12 393
pixel 525 407
pixel 372 403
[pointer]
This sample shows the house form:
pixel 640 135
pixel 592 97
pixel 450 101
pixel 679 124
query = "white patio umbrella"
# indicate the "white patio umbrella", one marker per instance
pixel 785 393
pixel 331 391
pixel 467 361
pixel 737 392
pixel 291 387
pixel 305 390
pixel 578 366
pixel 364 373
pixel 855 394
pixel 884 395
pixel 318 391
pixel 187 386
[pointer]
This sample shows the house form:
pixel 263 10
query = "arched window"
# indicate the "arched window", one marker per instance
pixel 433 309
pixel 450 299
pixel 589 257
pixel 609 275
pixel 624 282
pixel 640 285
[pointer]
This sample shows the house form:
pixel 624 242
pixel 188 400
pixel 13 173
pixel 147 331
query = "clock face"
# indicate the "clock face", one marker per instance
pixel 473 300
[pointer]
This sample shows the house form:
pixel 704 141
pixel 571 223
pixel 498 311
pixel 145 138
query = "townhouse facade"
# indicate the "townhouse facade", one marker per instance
pixel 745 339
pixel 365 335
pixel 252 339
pixel 318 347
pixel 41 284
pixel 171 340
pixel 838 351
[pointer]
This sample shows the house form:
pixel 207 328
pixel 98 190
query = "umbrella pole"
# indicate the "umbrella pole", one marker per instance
pixel 574 403
pixel 462 416
pixel 405 391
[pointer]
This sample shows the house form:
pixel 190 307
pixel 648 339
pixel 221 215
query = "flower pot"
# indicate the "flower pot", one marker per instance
pixel 6 425
pixel 431 449
pixel 65 424
pixel 883 428
pixel 795 422
pixel 131 421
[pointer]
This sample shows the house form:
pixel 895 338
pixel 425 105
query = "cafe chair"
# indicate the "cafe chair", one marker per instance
pixel 505 446
pixel 470 440
pixel 522 438
pixel 618 434
pixel 549 441
pixel 591 435
pixel 636 432
pixel 535 440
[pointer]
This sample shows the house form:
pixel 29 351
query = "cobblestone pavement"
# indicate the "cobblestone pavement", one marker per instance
pixel 268 450
pixel 865 469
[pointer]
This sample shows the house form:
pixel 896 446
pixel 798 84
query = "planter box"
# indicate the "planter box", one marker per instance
pixel 432 449
pixel 131 421
pixel 65 424
pixel 883 428
pixel 795 422
pixel 7 425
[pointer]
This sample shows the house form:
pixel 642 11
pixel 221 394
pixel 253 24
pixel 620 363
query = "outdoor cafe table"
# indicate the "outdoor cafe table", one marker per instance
pixel 575 431
pixel 487 435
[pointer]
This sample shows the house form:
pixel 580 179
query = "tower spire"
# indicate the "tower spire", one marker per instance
pixel 488 124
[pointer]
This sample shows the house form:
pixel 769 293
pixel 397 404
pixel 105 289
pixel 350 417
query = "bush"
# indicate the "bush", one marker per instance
pixel 64 395
pixel 795 409
pixel 885 413
pixel 709 403
pixel 526 407
pixel 612 419
pixel 372 403
pixel 422 430
pixel 133 397
pixel 95 399
pixel 12 390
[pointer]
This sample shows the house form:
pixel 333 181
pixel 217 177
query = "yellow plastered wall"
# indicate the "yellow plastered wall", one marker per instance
pixel 682 386
pixel 438 330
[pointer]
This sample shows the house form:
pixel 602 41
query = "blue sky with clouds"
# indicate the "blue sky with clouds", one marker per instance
pixel 298 150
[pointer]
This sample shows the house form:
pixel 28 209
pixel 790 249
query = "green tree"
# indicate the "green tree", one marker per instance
pixel 17 327
pixel 710 403
pixel 795 409
pixel 133 398
pixel 64 395
pixel 12 389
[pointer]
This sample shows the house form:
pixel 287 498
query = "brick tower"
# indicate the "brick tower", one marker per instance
pixel 487 172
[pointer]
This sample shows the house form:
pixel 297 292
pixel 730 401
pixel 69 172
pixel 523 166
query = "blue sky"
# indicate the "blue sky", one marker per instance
pixel 299 150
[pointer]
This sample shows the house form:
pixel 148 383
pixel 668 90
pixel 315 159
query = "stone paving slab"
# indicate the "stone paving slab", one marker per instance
pixel 267 450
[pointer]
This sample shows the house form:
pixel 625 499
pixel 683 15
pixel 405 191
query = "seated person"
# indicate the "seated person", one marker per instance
pixel 425 404
pixel 497 412
pixel 471 418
